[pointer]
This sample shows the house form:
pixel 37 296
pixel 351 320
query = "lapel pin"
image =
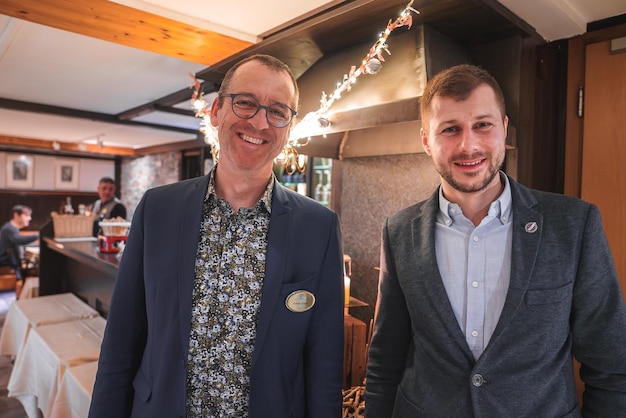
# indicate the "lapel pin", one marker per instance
pixel 531 227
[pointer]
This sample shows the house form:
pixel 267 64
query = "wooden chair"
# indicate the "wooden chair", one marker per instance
pixel 8 278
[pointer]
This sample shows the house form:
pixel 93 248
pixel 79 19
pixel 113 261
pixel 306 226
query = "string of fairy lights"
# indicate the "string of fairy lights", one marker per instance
pixel 313 123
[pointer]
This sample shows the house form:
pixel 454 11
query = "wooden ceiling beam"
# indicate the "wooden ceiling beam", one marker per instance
pixel 29 145
pixel 94 116
pixel 113 22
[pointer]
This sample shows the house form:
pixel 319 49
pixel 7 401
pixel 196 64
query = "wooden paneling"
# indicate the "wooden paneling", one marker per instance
pixel 573 123
pixel 41 202
pixel 575 150
pixel 124 25
pixel 29 144
pixel 354 356
pixel 603 179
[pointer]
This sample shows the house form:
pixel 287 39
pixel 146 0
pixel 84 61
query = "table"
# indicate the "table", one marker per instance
pixel 31 252
pixel 48 352
pixel 74 396
pixel 30 289
pixel 28 313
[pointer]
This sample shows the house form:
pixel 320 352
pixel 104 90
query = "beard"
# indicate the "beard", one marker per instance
pixel 475 183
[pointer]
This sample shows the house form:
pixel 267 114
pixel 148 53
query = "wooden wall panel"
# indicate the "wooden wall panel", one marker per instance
pixel 41 202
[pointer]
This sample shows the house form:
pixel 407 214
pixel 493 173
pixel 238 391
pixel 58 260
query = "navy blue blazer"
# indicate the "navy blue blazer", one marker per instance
pixel 564 299
pixel 298 357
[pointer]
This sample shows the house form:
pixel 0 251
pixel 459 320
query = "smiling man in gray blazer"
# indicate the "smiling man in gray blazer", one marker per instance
pixel 488 289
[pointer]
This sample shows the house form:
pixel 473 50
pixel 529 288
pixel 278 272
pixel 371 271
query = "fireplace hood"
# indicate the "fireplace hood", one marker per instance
pixel 380 114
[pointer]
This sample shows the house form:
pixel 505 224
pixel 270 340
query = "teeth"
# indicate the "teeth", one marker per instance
pixel 251 139
pixel 469 164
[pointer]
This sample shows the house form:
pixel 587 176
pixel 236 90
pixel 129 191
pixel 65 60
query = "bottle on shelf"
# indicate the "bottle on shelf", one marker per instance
pixel 68 209
pixel 326 189
pixel 318 188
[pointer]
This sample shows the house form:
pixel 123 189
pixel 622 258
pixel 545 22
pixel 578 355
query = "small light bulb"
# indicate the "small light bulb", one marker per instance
pixel 323 121
pixel 373 66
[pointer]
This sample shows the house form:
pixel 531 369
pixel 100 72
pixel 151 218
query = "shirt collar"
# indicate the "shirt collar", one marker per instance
pixel 500 208
pixel 264 202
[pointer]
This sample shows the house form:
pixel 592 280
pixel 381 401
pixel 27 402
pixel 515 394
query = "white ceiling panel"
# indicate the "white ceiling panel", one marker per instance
pixel 44 65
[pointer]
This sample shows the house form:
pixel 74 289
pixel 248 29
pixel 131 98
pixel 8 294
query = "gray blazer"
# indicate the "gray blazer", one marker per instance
pixel 564 299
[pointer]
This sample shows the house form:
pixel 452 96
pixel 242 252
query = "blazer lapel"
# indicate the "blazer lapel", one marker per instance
pixel 527 232
pixel 277 242
pixel 423 230
pixel 187 246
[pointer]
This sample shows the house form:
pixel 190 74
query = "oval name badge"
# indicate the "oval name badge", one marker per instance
pixel 300 301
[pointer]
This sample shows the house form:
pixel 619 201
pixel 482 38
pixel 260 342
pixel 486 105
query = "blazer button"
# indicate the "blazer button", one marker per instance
pixel 477 380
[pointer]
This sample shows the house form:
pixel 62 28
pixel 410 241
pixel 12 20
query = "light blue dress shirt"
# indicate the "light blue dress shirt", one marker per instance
pixel 475 265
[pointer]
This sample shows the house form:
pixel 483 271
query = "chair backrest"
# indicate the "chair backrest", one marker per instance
pixel 8 278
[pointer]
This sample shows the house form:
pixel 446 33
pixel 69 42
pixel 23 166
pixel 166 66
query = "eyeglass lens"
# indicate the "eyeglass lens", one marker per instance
pixel 246 106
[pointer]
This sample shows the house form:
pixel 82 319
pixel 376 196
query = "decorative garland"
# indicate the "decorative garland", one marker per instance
pixel 371 64
pixel 313 121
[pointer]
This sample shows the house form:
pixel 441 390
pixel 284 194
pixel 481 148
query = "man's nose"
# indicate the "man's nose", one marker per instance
pixel 259 120
pixel 469 139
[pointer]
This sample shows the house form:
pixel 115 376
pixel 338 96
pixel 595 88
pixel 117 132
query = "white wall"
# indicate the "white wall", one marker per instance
pixel 44 172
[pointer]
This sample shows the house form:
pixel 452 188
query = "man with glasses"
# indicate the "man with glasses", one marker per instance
pixel 229 297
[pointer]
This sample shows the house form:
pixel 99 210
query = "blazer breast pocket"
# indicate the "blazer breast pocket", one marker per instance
pixel 548 296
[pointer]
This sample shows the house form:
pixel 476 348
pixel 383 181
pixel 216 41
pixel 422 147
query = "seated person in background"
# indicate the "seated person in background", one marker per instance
pixel 12 241
pixel 107 206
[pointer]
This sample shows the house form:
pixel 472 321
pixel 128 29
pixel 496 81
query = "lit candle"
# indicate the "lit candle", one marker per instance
pixel 346 283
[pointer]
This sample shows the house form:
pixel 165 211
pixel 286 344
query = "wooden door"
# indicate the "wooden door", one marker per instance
pixel 603 177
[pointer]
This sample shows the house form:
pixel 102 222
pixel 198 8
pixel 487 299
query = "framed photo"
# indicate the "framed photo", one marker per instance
pixel 20 173
pixel 66 174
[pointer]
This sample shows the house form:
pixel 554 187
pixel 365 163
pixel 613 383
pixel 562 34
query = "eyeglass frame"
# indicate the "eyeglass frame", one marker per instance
pixel 259 107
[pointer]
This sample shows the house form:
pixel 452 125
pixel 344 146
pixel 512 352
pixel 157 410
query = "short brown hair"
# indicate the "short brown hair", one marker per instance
pixel 108 180
pixel 267 60
pixel 458 83
pixel 20 209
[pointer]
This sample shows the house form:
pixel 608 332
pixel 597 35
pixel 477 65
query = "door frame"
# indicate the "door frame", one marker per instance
pixel 573 123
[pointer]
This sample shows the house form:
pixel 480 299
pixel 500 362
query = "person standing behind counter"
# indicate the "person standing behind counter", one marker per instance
pixel 108 206
pixel 488 288
pixel 229 297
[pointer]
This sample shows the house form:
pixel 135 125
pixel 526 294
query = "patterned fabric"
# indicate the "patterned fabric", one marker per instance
pixel 230 268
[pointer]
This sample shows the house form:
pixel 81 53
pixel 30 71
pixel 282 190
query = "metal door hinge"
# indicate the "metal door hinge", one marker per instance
pixel 581 96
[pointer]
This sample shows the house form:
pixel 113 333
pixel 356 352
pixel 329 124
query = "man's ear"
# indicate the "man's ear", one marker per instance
pixel 214 108
pixel 506 125
pixel 424 137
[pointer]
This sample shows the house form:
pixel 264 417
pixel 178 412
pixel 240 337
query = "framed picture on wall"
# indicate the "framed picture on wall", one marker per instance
pixel 66 174
pixel 20 172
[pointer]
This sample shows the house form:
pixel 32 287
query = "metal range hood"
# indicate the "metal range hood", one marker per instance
pixel 380 114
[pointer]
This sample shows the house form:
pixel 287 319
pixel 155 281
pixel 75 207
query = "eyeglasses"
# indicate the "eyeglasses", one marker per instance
pixel 246 106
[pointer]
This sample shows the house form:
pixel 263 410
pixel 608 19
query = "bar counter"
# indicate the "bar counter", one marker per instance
pixel 77 266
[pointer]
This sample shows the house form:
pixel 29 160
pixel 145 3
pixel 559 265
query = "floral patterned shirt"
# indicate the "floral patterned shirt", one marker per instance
pixel 230 268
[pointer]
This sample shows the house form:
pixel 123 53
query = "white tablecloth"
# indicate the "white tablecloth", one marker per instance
pixel 27 313
pixel 48 352
pixel 30 289
pixel 74 395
